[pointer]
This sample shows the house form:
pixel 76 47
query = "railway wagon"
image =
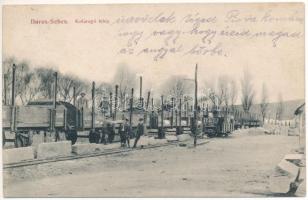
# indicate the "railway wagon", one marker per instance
pixel 218 124
pixel 20 122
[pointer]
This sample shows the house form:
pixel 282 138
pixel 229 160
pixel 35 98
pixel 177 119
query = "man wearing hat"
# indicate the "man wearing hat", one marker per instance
pixel 82 101
pixel 140 131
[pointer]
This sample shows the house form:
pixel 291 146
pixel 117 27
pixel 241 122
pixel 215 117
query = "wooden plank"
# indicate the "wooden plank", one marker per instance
pixel 6 116
pixel 31 116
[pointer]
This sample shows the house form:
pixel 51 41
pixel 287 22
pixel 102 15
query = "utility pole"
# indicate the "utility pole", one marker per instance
pixel 180 115
pixel 93 105
pixel 161 130
pixel 5 89
pixel 110 105
pixel 140 96
pixel 131 109
pixel 74 96
pixel 55 101
pixel 115 102
pixel 196 106
pixel 152 102
pixel 53 128
pixel 172 108
pixel 13 99
pixel 146 109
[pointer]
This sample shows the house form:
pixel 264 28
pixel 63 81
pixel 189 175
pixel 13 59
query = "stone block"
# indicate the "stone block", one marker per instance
pixel 183 137
pixel 171 138
pixel 54 149
pixel 143 141
pixel 157 141
pixel 80 148
pixel 17 154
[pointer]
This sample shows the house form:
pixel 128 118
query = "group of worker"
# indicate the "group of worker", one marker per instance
pixel 108 132
pixel 125 132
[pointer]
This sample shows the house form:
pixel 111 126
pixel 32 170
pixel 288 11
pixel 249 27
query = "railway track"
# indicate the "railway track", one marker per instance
pixel 73 157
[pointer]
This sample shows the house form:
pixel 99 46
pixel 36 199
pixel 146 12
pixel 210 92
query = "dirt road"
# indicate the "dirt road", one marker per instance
pixel 238 166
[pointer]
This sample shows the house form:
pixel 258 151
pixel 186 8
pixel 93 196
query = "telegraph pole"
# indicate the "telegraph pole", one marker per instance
pixel 110 104
pixel 180 115
pixel 172 107
pixel 4 83
pixel 146 109
pixel 115 102
pixel 140 97
pixel 196 106
pixel 131 109
pixel 74 96
pixel 55 101
pixel 93 105
pixel 13 99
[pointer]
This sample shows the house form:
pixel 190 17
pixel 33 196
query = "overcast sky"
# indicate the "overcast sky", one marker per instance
pixel 91 51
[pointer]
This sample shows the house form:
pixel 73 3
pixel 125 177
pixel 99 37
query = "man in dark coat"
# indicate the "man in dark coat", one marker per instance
pixel 127 132
pixel 140 131
pixel 122 135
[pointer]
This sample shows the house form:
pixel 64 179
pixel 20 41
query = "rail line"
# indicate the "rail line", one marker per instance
pixel 73 157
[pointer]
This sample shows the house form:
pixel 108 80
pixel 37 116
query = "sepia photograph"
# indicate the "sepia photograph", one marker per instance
pixel 153 100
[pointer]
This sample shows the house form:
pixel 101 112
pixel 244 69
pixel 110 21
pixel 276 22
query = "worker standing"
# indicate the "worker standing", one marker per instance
pixel 122 135
pixel 82 101
pixel 127 132
pixel 140 131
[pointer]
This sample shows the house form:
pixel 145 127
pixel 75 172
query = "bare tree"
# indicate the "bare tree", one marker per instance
pixel 280 107
pixel 248 92
pixel 210 91
pixel 125 78
pixel 26 86
pixel 224 91
pixel 46 79
pixel 233 94
pixel 264 102
pixel 176 86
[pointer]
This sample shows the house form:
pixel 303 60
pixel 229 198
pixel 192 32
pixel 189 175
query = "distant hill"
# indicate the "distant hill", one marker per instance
pixel 288 113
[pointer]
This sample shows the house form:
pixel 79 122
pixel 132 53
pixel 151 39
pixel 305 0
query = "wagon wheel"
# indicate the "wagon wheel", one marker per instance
pixel 94 136
pixel 18 141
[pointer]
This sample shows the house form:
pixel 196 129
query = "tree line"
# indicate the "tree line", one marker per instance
pixel 37 83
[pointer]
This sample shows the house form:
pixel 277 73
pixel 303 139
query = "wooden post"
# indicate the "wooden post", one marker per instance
pixel 176 117
pixel 93 106
pixel 172 108
pixel 5 89
pixel 146 109
pixel 13 99
pixel 74 96
pixel 110 105
pixel 131 109
pixel 180 114
pixel 74 103
pixel 54 101
pixel 115 102
pixel 162 112
pixel 152 102
pixel 140 97
pixel 196 106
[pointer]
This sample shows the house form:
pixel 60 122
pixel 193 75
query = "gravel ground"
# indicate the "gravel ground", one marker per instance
pixel 237 166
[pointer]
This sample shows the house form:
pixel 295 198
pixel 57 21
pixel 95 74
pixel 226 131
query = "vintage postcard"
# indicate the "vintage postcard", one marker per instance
pixel 154 100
